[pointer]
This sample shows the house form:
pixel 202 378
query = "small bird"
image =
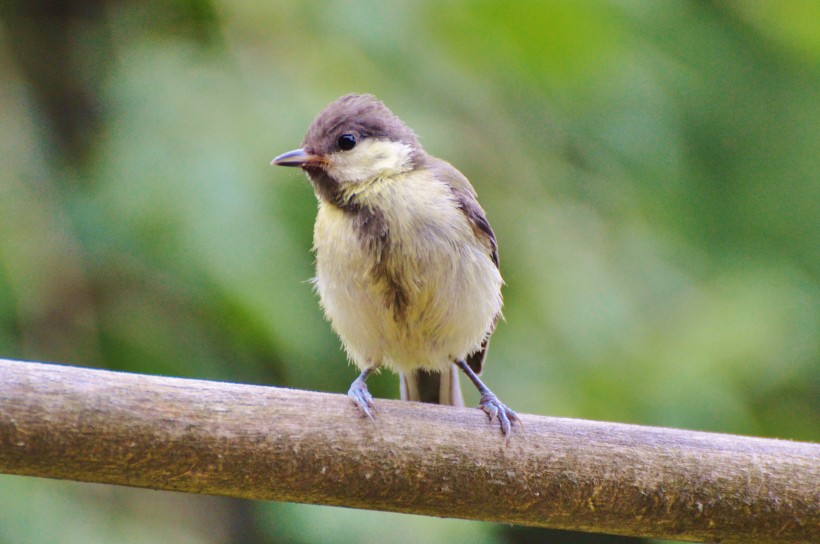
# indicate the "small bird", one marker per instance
pixel 406 262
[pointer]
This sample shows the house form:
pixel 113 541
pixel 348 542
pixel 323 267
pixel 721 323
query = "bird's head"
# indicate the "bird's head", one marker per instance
pixel 355 141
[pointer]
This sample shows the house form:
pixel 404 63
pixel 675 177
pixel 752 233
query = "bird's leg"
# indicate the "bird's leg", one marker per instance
pixel 489 402
pixel 360 395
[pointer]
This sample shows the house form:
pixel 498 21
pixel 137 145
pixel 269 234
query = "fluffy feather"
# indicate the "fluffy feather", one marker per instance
pixel 406 262
pixel 450 285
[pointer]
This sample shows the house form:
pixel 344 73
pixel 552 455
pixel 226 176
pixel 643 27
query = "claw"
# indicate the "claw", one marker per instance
pixel 491 408
pixel 362 398
pixel 496 409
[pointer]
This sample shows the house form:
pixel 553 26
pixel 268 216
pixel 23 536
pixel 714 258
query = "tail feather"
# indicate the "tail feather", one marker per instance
pixel 432 387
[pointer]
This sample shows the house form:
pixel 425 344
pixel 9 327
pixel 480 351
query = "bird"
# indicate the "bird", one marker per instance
pixel 407 266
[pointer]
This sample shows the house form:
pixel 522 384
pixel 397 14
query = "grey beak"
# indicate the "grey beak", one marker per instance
pixel 297 157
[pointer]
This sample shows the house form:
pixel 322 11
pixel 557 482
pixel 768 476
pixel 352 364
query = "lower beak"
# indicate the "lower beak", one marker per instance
pixel 297 157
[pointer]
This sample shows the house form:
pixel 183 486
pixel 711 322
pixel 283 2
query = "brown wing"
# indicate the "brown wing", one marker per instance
pixel 467 200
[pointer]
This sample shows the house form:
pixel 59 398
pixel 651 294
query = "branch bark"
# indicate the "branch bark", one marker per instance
pixel 287 445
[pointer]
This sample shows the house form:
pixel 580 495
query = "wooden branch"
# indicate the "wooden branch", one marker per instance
pixel 287 445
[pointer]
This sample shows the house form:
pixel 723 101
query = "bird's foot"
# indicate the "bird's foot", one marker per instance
pixel 361 397
pixel 496 409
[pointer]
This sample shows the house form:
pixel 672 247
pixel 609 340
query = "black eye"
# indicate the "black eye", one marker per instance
pixel 346 142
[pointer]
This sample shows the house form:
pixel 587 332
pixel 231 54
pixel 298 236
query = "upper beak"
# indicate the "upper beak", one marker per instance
pixel 297 157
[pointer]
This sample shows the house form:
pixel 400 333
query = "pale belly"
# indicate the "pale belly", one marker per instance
pixel 452 291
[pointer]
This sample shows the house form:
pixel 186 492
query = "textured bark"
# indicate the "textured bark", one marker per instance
pixel 287 445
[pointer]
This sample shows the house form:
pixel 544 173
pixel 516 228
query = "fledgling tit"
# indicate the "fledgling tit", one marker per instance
pixel 406 262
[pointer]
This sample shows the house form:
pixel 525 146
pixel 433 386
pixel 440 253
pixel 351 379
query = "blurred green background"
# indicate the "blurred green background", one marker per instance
pixel 650 169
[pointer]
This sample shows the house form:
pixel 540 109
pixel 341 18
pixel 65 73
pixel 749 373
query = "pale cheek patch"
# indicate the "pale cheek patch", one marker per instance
pixel 370 160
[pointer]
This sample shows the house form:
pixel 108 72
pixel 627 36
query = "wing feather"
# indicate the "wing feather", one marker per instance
pixel 467 199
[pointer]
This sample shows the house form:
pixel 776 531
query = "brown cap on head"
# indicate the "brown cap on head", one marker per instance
pixel 362 115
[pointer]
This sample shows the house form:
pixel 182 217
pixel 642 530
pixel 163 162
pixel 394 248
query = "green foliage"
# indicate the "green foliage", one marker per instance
pixel 650 170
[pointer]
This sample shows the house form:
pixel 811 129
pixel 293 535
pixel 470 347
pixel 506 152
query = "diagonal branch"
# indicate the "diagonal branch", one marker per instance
pixel 288 445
